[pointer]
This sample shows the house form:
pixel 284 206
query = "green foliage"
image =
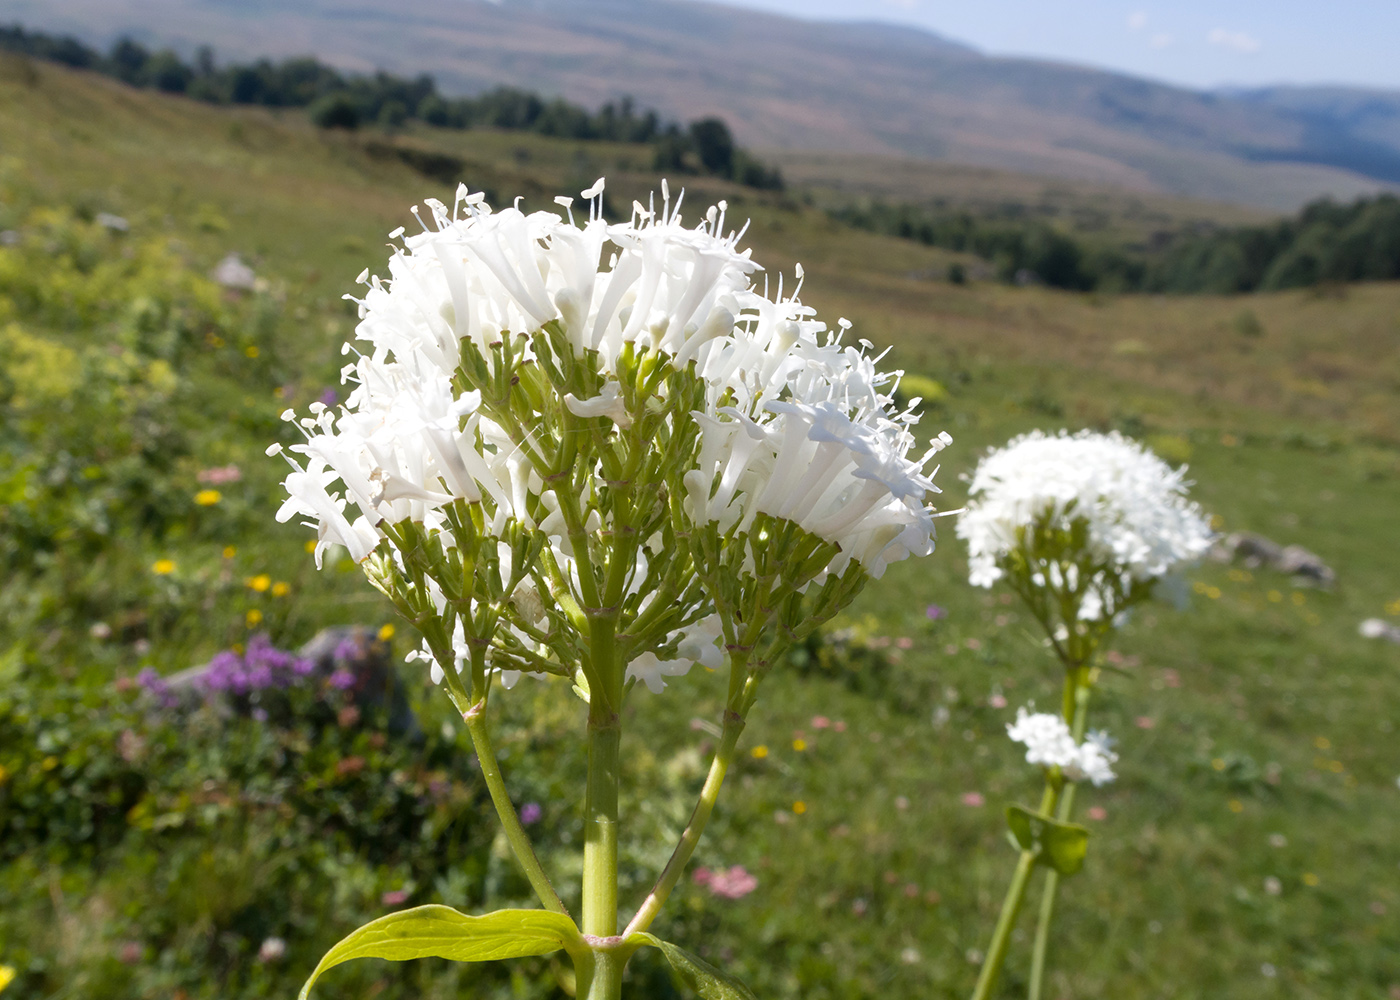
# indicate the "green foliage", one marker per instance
pixel 1061 846
pixel 702 977
pixel 1325 242
pixel 336 101
pixel 435 931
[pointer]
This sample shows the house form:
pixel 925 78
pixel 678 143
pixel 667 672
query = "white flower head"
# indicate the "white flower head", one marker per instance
pixel 1139 520
pixel 1049 743
pixel 500 372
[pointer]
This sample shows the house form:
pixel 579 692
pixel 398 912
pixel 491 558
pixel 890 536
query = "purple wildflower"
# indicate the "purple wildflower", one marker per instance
pixel 936 612
pixel 530 813
pixel 329 397
pixel 342 679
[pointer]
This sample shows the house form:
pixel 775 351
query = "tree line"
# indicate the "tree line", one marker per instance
pixel 348 101
pixel 1325 242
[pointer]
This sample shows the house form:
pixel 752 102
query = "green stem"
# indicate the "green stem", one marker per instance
pixel 704 806
pixel 505 809
pixel 600 829
pixel 600 973
pixel 1052 878
pixel 1010 909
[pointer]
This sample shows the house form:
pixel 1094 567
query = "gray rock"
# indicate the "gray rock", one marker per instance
pixel 1298 561
pixel 352 649
pixel 233 274
pixel 1254 551
pixel 1376 628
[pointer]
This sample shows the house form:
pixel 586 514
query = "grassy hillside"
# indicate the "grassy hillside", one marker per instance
pixel 809 85
pixel 1246 851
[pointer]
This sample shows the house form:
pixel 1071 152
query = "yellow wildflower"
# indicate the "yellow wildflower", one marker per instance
pixel 7 975
pixel 310 546
pixel 799 807
pixel 1322 743
pixel 281 589
pixel 759 752
pixel 208 498
pixel 163 567
pixel 251 350
pixel 1310 879
pixel 260 583
pixel 386 632
pixel 254 617
pixel 230 552
pixel 799 745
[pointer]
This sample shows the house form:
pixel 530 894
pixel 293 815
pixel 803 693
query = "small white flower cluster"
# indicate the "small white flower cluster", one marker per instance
pixel 795 425
pixel 1139 519
pixel 1049 743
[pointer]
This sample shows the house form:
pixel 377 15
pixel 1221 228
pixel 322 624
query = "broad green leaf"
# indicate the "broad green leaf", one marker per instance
pixel 1020 820
pixel 1065 846
pixel 696 973
pixel 441 932
pixel 1062 846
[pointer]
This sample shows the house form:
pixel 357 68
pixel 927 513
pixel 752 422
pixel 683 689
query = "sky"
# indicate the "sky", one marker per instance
pixel 1195 43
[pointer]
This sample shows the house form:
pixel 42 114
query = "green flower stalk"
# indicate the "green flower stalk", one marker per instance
pixel 596 452
pixel 1081 527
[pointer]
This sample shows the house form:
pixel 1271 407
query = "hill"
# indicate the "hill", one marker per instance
pixel 799 85
pixel 1252 823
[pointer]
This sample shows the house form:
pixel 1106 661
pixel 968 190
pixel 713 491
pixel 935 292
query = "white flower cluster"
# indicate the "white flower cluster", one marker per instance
pixel 1049 743
pixel 795 425
pixel 1139 519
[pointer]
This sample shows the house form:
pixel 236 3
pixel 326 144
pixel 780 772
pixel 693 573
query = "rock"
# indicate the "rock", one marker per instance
pixel 233 274
pixel 1253 551
pixel 1375 628
pixel 351 658
pixel 1257 552
pixel 359 651
pixel 1298 561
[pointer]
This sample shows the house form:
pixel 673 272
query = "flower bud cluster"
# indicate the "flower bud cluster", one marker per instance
pixel 1049 744
pixel 556 424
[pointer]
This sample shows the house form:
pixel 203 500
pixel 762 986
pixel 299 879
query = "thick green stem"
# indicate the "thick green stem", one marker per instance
pixel 1041 948
pixel 1010 909
pixel 600 831
pixel 704 806
pixel 600 974
pixel 505 809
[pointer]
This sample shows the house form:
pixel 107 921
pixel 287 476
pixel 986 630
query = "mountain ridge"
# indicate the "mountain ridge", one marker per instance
pixel 790 84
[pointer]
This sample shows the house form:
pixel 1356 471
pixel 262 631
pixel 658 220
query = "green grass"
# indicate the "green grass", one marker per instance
pixel 1240 717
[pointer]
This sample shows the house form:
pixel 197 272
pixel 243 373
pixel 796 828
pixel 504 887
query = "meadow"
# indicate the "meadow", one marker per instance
pixel 1246 850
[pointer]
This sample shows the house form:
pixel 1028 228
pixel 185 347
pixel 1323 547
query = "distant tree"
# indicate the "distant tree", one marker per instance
pixel 166 72
pixel 128 61
pixel 714 144
pixel 335 111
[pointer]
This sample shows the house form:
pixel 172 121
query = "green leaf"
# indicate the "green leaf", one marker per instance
pixel 696 973
pixel 1020 820
pixel 1065 846
pixel 1062 846
pixel 441 932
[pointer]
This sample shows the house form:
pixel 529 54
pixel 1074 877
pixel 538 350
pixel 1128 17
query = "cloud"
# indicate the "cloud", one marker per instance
pixel 1237 40
pixel 1160 40
pixel 1137 20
